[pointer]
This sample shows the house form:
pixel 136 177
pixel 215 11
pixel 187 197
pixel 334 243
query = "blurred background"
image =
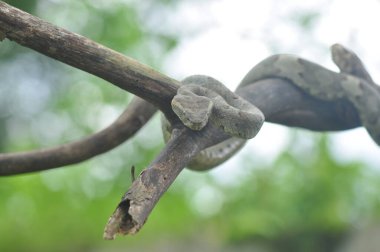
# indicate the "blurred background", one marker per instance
pixel 288 189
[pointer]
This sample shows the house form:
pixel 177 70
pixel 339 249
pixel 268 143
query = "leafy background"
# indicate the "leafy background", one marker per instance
pixel 305 199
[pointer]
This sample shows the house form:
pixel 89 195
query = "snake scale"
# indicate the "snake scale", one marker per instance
pixel 202 99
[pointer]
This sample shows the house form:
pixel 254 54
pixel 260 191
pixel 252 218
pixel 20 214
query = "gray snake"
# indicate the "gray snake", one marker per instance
pixel 202 99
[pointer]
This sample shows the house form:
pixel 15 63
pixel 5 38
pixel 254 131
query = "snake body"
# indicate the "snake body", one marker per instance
pixel 202 99
pixel 324 84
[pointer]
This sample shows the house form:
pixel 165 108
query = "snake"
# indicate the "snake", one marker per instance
pixel 202 99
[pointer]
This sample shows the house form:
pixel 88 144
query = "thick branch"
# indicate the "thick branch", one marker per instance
pixel 132 119
pixel 146 190
pixel 87 55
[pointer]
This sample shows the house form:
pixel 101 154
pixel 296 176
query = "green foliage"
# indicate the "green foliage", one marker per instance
pixel 67 211
pixel 301 204
pixel 116 27
pixel 28 6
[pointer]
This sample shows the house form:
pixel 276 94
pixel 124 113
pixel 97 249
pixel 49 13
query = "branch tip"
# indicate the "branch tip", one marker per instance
pixel 121 222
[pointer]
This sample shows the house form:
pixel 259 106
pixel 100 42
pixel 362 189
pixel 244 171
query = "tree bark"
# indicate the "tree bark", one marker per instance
pixel 84 54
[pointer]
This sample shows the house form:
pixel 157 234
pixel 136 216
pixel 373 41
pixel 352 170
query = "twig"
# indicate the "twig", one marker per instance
pixel 129 122
pixel 133 175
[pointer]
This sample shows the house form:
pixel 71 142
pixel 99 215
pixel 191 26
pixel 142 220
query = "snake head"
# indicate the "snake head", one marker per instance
pixel 193 110
pixel 203 99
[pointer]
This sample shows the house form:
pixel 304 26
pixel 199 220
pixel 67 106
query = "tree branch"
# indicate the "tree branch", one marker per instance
pixel 82 53
pixel 137 203
pixel 128 123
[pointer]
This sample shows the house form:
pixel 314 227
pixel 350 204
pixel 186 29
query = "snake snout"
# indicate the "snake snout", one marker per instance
pixel 193 110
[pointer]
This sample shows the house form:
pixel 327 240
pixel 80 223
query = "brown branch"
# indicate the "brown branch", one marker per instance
pixel 87 55
pixel 91 57
pixel 146 190
pixel 128 123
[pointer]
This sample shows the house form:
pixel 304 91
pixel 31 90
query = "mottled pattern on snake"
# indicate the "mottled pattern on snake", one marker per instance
pixel 323 84
pixel 314 80
pixel 203 100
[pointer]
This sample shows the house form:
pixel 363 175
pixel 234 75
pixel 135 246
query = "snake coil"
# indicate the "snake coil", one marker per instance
pixel 203 99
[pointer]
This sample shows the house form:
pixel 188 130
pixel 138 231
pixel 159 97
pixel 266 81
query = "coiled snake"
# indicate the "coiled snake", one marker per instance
pixel 203 99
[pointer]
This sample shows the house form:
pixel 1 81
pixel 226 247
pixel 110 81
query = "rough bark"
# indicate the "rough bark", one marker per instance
pixel 87 55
